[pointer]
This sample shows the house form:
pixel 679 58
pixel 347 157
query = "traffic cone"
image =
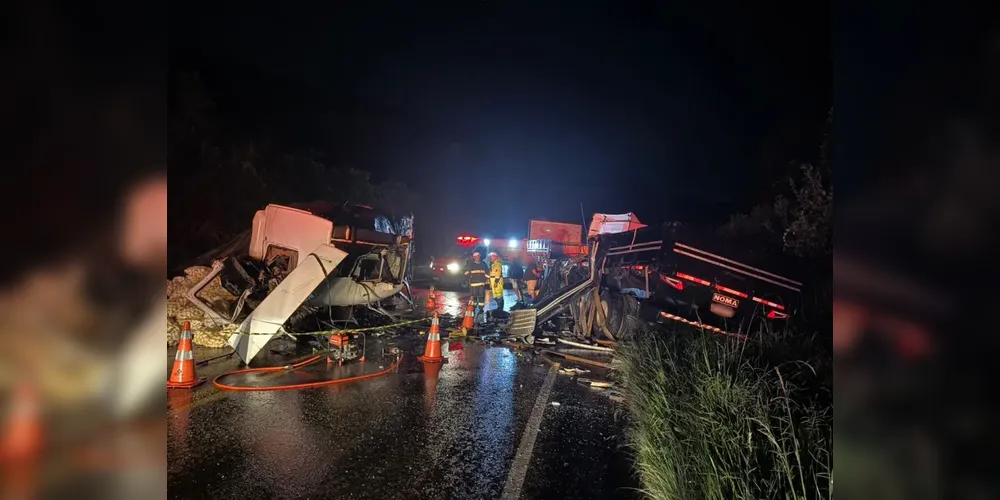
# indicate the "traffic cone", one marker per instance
pixel 21 445
pixel 431 301
pixel 432 351
pixel 22 429
pixel 183 376
pixel 469 322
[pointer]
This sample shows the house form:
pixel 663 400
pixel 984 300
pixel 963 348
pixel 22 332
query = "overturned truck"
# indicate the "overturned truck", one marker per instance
pixel 299 264
pixel 633 274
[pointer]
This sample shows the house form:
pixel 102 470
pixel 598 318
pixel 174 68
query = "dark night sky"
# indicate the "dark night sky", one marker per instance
pixel 499 113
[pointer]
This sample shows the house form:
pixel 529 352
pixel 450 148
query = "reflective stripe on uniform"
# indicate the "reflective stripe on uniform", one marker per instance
pixel 477 284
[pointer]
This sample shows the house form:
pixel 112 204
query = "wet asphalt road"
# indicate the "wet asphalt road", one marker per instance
pixel 437 431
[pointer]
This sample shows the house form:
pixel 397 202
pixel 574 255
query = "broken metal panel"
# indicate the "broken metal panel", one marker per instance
pixel 288 228
pixel 613 223
pixel 192 295
pixel 289 295
pixel 348 292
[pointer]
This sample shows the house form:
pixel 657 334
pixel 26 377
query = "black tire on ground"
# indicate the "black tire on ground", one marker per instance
pixel 622 314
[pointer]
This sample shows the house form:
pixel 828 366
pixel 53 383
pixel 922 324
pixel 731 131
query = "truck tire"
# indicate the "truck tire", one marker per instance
pixel 622 312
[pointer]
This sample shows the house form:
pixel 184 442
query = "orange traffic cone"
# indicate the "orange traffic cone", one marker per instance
pixel 21 445
pixel 432 351
pixel 21 440
pixel 469 322
pixel 183 376
pixel 431 300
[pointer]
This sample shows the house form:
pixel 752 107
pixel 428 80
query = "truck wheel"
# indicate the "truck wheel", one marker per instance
pixel 622 313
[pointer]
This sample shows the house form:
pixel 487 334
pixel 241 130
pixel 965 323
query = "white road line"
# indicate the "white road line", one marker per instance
pixel 519 468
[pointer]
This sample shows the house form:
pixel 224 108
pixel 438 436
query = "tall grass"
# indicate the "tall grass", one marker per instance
pixel 714 419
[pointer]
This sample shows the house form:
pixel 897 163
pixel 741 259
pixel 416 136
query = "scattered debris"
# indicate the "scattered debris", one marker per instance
pixel 599 384
pixel 616 396
pixel 180 309
pixel 578 359
pixel 586 346
pixel 554 403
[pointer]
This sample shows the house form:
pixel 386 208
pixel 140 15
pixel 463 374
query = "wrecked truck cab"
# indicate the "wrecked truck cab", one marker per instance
pixel 302 260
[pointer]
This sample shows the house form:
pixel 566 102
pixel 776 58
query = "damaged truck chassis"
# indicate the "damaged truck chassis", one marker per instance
pixel 634 274
pixel 301 264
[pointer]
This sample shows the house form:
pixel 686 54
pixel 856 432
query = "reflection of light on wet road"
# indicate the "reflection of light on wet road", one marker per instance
pixel 275 437
pixel 448 422
pixel 454 303
pixel 179 420
pixel 495 408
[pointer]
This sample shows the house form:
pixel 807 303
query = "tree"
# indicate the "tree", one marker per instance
pixel 798 221
pixel 219 177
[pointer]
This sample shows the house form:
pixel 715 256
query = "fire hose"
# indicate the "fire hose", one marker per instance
pixel 303 385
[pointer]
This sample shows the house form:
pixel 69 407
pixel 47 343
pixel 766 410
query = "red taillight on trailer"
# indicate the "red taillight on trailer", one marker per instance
pixel 675 284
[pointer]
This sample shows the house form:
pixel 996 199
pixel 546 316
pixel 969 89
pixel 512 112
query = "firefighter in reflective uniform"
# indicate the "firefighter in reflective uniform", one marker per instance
pixel 477 270
pixel 496 279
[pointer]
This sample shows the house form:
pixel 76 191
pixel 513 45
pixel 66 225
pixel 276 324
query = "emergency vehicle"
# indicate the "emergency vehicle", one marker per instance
pixel 545 240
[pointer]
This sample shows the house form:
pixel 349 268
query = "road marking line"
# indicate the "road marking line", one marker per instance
pixel 519 468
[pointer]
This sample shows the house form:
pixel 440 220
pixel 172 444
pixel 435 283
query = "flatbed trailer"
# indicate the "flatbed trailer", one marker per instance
pixel 649 274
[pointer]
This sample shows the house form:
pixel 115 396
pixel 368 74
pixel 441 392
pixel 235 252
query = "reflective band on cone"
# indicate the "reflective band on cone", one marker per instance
pixel 431 304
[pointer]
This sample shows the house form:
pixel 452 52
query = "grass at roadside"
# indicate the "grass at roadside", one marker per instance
pixel 713 418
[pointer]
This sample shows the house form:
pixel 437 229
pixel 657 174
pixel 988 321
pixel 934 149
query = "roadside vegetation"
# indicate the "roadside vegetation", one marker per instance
pixel 717 418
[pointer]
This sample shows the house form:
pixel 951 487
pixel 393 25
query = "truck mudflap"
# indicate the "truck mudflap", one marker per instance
pixel 265 322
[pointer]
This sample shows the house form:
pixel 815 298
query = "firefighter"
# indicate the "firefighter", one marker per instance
pixel 496 280
pixel 476 271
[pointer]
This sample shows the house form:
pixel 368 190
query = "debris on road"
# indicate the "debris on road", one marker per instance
pixel 586 346
pixel 578 359
pixel 616 396
pixel 554 403
pixel 601 384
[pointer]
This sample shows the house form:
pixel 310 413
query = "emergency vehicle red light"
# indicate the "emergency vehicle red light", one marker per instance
pixel 776 315
pixel 467 240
